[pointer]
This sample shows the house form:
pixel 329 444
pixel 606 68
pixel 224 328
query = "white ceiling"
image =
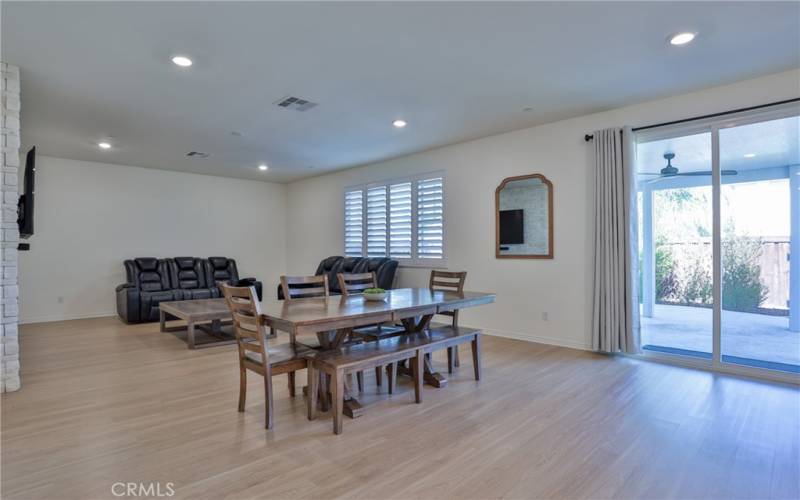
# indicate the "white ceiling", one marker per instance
pixel 454 71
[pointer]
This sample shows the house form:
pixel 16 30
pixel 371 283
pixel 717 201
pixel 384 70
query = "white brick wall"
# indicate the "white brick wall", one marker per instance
pixel 9 235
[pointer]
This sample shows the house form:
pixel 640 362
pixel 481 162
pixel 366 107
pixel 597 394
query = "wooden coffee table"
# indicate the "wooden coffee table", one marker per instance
pixel 212 316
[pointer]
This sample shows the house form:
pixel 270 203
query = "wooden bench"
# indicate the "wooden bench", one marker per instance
pixel 389 351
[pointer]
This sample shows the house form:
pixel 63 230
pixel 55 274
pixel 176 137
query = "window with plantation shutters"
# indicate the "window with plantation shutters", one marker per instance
pixel 430 218
pixel 401 219
pixel 376 222
pixel 354 223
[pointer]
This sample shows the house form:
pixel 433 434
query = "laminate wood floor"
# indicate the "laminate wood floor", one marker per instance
pixel 102 402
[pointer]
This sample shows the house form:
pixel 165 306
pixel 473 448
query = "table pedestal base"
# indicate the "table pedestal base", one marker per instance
pixel 430 377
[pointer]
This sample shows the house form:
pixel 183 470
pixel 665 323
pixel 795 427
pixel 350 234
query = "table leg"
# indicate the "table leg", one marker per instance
pixel 190 334
pixel 162 321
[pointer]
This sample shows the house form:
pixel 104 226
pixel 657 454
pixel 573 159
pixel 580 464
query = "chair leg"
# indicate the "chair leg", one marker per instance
pixel 292 391
pixel 450 358
pixel 476 356
pixel 242 387
pixel 419 369
pixel 324 388
pixel 338 401
pixel 456 360
pixel 391 374
pixel 268 411
pixel 313 391
pixel 360 381
pixel 379 376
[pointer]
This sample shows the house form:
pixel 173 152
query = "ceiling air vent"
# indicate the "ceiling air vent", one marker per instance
pixel 197 154
pixel 295 103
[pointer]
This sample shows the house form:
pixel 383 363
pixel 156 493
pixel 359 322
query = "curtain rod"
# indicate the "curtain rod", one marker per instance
pixel 589 137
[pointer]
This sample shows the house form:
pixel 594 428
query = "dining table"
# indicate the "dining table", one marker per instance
pixel 332 319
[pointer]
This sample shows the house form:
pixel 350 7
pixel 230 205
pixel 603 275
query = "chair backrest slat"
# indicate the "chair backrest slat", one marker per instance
pixel 301 287
pixel 448 281
pixel 247 323
pixel 350 283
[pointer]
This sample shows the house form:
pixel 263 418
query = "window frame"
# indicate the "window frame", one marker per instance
pixel 414 260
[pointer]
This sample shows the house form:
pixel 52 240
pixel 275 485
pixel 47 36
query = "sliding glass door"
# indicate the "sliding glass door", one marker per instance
pixel 674 180
pixel 718 216
pixel 756 247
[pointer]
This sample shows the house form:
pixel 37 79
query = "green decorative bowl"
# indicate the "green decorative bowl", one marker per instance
pixel 375 294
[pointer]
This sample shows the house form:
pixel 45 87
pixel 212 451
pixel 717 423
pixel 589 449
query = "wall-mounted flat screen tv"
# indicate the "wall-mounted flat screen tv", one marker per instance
pixel 25 205
pixel 511 227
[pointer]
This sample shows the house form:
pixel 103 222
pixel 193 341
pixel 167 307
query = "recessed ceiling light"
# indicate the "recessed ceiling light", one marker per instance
pixel 103 145
pixel 682 38
pixel 263 167
pixel 182 61
pixel 750 155
pixel 399 123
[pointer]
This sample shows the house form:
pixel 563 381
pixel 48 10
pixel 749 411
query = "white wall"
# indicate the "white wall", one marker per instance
pixel 525 288
pixel 92 216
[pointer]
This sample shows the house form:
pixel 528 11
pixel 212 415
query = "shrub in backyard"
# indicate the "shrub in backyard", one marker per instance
pixel 742 289
pixel 666 278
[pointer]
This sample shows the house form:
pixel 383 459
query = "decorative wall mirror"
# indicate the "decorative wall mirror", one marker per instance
pixel 524 218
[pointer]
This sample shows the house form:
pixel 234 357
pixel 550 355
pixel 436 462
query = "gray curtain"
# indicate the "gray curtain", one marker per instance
pixel 615 312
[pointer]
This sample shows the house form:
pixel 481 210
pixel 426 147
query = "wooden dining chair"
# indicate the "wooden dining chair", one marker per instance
pixel 254 352
pixel 351 284
pixel 309 287
pixel 449 281
pixel 304 287
pixel 355 283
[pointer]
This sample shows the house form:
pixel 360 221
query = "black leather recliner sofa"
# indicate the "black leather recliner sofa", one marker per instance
pixel 383 267
pixel 151 281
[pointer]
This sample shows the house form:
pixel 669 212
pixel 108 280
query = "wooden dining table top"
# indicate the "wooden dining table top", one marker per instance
pixel 317 314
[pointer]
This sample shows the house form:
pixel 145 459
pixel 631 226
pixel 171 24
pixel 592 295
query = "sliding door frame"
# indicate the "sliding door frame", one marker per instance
pixel 714 126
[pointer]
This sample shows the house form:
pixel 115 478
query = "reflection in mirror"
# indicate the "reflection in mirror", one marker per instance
pixel 524 218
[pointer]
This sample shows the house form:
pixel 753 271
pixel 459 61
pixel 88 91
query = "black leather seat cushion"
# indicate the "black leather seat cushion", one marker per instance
pixel 188 276
pixel 151 277
pixel 221 269
pixel 383 268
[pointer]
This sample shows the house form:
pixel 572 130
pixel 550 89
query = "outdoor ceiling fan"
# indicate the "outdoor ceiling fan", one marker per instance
pixel 671 171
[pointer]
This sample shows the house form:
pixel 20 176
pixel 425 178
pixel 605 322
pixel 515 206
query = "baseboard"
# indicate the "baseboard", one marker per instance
pixel 65 317
pixel 534 338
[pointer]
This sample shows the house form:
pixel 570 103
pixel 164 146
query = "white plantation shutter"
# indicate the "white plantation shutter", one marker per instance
pixel 400 221
pixel 430 218
pixel 354 223
pixel 376 222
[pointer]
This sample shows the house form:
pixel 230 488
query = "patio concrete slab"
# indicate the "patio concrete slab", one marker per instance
pixel 744 335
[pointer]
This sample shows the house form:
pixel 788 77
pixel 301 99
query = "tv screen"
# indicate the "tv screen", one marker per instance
pixel 25 206
pixel 511 227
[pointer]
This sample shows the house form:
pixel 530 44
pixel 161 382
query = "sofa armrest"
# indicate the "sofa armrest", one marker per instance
pixel 128 303
pixel 251 282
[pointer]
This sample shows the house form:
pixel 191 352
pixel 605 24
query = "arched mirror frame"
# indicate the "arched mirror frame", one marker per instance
pixel 545 181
